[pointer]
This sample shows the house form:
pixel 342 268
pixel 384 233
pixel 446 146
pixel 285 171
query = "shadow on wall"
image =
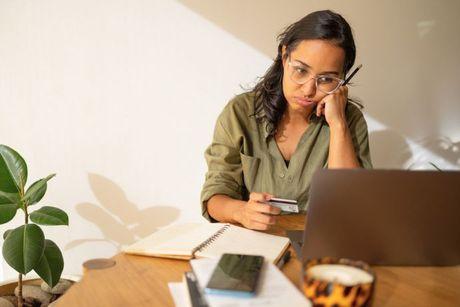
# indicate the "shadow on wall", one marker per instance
pixel 389 149
pixel 443 147
pixel 120 220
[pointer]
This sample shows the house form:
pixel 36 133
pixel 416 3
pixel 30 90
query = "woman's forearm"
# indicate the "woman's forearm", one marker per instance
pixel 341 151
pixel 224 208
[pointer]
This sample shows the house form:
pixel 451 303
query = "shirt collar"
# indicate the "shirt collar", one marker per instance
pixel 264 124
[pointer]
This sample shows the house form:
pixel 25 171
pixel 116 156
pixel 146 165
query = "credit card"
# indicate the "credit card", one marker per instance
pixel 286 205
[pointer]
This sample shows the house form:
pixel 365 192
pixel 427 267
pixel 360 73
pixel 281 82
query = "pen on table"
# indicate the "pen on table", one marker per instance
pixel 348 80
pixel 196 297
pixel 284 260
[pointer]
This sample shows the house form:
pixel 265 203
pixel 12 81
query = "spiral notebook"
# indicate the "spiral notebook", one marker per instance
pixel 208 240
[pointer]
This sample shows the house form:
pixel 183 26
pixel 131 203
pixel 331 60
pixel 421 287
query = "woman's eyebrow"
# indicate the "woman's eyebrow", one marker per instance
pixel 322 73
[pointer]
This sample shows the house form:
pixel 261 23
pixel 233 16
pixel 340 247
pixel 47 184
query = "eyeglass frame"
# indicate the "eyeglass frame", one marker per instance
pixel 341 81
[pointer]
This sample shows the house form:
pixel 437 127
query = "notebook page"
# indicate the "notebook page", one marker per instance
pixel 239 240
pixel 274 289
pixel 175 240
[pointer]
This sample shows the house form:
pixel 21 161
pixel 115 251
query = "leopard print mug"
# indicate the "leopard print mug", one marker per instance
pixel 326 292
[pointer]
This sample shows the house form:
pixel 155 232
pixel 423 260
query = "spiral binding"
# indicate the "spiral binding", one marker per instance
pixel 211 239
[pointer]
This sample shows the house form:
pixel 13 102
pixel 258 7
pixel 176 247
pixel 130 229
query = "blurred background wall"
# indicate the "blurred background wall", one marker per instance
pixel 119 98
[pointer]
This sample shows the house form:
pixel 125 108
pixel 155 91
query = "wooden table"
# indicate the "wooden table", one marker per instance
pixel 143 281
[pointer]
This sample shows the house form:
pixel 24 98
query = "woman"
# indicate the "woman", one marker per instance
pixel 269 142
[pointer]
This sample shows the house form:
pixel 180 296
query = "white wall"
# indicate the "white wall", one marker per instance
pixel 119 98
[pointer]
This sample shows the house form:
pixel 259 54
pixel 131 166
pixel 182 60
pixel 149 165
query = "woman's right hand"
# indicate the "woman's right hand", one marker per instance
pixel 255 214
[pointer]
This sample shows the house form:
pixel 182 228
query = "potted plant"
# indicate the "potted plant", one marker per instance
pixel 25 247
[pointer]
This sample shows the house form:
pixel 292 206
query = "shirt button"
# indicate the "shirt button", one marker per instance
pixel 282 175
pixel 290 179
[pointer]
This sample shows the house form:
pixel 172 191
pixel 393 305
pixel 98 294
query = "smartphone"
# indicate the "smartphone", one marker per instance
pixel 236 275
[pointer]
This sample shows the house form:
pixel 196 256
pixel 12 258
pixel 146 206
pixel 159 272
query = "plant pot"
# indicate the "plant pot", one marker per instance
pixel 7 287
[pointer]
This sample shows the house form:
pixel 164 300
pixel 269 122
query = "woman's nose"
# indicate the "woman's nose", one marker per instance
pixel 309 88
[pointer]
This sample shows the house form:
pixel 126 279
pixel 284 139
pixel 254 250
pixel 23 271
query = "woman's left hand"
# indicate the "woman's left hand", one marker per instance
pixel 333 107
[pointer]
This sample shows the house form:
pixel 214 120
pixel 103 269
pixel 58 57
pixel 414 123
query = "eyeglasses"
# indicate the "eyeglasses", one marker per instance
pixel 324 83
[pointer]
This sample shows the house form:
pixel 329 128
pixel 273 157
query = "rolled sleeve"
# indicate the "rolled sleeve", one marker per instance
pixel 224 174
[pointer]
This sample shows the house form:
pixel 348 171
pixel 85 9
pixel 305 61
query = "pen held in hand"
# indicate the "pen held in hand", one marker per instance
pixel 360 106
pixel 352 74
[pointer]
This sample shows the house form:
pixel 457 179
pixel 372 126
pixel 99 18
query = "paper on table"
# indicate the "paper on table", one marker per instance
pixel 274 288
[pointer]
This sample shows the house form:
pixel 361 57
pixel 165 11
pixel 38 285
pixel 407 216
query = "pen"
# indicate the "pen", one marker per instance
pixel 352 74
pixel 196 297
pixel 284 260
pixel 360 106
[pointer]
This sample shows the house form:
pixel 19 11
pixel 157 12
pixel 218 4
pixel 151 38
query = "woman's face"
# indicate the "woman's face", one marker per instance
pixel 311 57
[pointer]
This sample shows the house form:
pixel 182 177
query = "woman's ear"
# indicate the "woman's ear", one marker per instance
pixel 283 55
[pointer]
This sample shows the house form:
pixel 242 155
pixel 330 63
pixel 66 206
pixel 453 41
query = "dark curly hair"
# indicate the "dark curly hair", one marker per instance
pixel 326 25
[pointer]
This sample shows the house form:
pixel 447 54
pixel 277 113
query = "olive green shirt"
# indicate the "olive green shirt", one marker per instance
pixel 243 158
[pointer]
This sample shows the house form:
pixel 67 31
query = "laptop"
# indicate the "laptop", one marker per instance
pixel 384 217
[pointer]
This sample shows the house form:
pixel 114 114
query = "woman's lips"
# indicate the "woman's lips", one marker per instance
pixel 304 102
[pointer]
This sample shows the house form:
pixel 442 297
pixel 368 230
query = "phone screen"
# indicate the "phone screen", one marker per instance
pixel 236 274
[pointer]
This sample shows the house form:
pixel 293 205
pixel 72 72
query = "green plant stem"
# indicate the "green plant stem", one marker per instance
pixel 26 221
pixel 26 214
pixel 434 165
pixel 20 291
